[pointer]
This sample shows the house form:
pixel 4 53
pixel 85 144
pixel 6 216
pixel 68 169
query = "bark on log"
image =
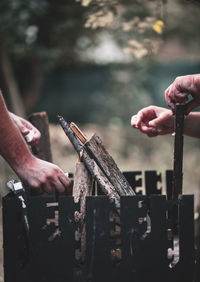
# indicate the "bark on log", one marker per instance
pixel 97 151
pixel 91 165
pixel 82 188
pixel 43 149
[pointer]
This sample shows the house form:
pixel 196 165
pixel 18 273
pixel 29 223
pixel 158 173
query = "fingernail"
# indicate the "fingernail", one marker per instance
pixel 152 123
pixel 29 137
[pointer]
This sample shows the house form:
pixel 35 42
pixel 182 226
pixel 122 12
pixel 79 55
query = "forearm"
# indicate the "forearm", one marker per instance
pixel 192 125
pixel 13 147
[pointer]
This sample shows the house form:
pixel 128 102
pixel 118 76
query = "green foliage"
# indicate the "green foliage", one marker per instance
pixel 16 16
pixel 45 35
pixel 43 29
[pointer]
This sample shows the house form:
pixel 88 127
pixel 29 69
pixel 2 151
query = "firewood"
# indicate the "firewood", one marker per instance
pixel 82 188
pixel 94 146
pixel 97 151
pixel 78 132
pixel 43 149
pixel 91 165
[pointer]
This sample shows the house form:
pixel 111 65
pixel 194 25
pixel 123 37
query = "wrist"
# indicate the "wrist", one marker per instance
pixel 24 163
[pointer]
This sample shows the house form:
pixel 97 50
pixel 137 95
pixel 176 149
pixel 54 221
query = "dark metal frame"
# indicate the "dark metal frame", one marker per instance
pixel 144 256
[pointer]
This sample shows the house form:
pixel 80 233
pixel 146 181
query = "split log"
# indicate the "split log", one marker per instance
pixel 97 151
pixel 43 149
pixel 83 185
pixel 91 165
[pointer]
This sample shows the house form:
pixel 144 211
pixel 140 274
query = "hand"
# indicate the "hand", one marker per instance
pixel 26 129
pixel 44 177
pixel 180 89
pixel 153 121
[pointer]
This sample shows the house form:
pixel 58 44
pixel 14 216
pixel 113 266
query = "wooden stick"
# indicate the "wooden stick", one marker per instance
pixel 91 165
pixel 178 164
pixel 178 152
pixel 43 149
pixel 78 132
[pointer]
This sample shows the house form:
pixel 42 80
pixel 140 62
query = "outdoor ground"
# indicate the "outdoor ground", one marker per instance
pixel 131 150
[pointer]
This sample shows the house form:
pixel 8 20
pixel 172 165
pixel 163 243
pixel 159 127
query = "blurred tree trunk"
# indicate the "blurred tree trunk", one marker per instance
pixel 16 102
pixel 32 92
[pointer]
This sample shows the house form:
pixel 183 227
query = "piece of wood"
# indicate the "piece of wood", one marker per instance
pixel 81 136
pixel 43 149
pixel 94 146
pixel 83 185
pixel 178 152
pixel 97 151
pixel 91 165
pixel 178 165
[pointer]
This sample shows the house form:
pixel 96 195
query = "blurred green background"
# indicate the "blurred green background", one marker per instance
pixel 97 63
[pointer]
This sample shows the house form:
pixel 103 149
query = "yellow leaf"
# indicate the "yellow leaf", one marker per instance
pixel 158 26
pixel 85 3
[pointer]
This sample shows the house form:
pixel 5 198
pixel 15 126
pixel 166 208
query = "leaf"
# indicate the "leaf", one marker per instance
pixel 86 3
pixel 99 19
pixel 158 26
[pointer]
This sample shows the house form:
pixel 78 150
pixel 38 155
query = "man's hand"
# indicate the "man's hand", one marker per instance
pixel 44 177
pixel 26 128
pixel 181 88
pixel 154 121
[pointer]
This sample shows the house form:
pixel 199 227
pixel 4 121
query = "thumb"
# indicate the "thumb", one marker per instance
pixel 190 106
pixel 159 120
pixel 24 130
pixel 155 122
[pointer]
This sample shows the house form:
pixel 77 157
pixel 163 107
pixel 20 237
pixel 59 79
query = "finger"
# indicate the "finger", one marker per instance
pixel 180 97
pixel 139 118
pixel 24 131
pixel 134 121
pixel 190 106
pixel 161 119
pixel 58 185
pixel 170 102
pixel 32 137
pixel 144 128
pixel 66 183
pixel 167 99
pixel 37 135
pixel 148 130
pixel 30 127
pixel 47 187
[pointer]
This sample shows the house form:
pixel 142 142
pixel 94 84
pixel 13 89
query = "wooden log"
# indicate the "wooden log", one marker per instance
pixel 83 185
pixel 97 151
pixel 91 165
pixel 43 149
pixel 94 146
